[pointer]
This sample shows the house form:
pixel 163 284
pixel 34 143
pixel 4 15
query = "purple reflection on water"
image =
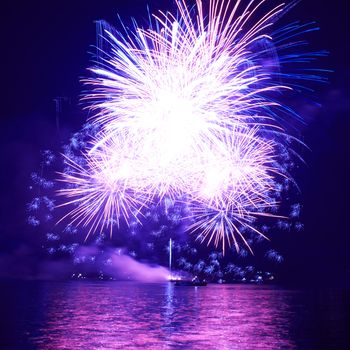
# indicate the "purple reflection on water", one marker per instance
pixel 124 315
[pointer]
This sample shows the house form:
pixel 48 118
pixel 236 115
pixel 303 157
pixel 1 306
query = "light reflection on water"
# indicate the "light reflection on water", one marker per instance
pixel 122 315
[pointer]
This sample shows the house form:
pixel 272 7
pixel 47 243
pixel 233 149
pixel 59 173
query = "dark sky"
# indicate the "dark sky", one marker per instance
pixel 45 51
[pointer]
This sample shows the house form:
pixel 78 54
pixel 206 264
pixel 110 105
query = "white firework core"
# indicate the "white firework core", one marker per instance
pixel 184 113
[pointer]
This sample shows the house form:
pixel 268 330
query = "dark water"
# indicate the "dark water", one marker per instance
pixel 122 315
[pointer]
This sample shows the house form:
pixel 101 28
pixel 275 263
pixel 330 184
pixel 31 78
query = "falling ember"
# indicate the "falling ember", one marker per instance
pixel 187 109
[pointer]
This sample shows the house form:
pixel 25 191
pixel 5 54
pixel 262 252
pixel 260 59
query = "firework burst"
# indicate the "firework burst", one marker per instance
pixel 186 110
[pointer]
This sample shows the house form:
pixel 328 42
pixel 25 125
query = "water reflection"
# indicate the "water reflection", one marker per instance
pixel 154 316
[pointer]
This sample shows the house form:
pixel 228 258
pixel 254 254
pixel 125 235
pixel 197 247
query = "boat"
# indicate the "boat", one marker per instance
pixel 191 283
pixel 195 282
pixel 173 280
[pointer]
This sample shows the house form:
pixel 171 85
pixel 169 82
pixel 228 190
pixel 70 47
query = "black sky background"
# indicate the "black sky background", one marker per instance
pixel 45 51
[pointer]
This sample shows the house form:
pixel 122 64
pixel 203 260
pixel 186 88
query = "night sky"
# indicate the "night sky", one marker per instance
pixel 45 52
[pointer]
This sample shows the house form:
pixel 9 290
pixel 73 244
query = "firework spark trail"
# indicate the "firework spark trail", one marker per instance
pixel 183 110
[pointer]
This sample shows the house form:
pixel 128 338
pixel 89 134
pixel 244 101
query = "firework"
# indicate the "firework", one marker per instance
pixel 186 110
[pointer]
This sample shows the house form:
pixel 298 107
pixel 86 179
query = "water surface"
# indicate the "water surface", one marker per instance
pixel 124 315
